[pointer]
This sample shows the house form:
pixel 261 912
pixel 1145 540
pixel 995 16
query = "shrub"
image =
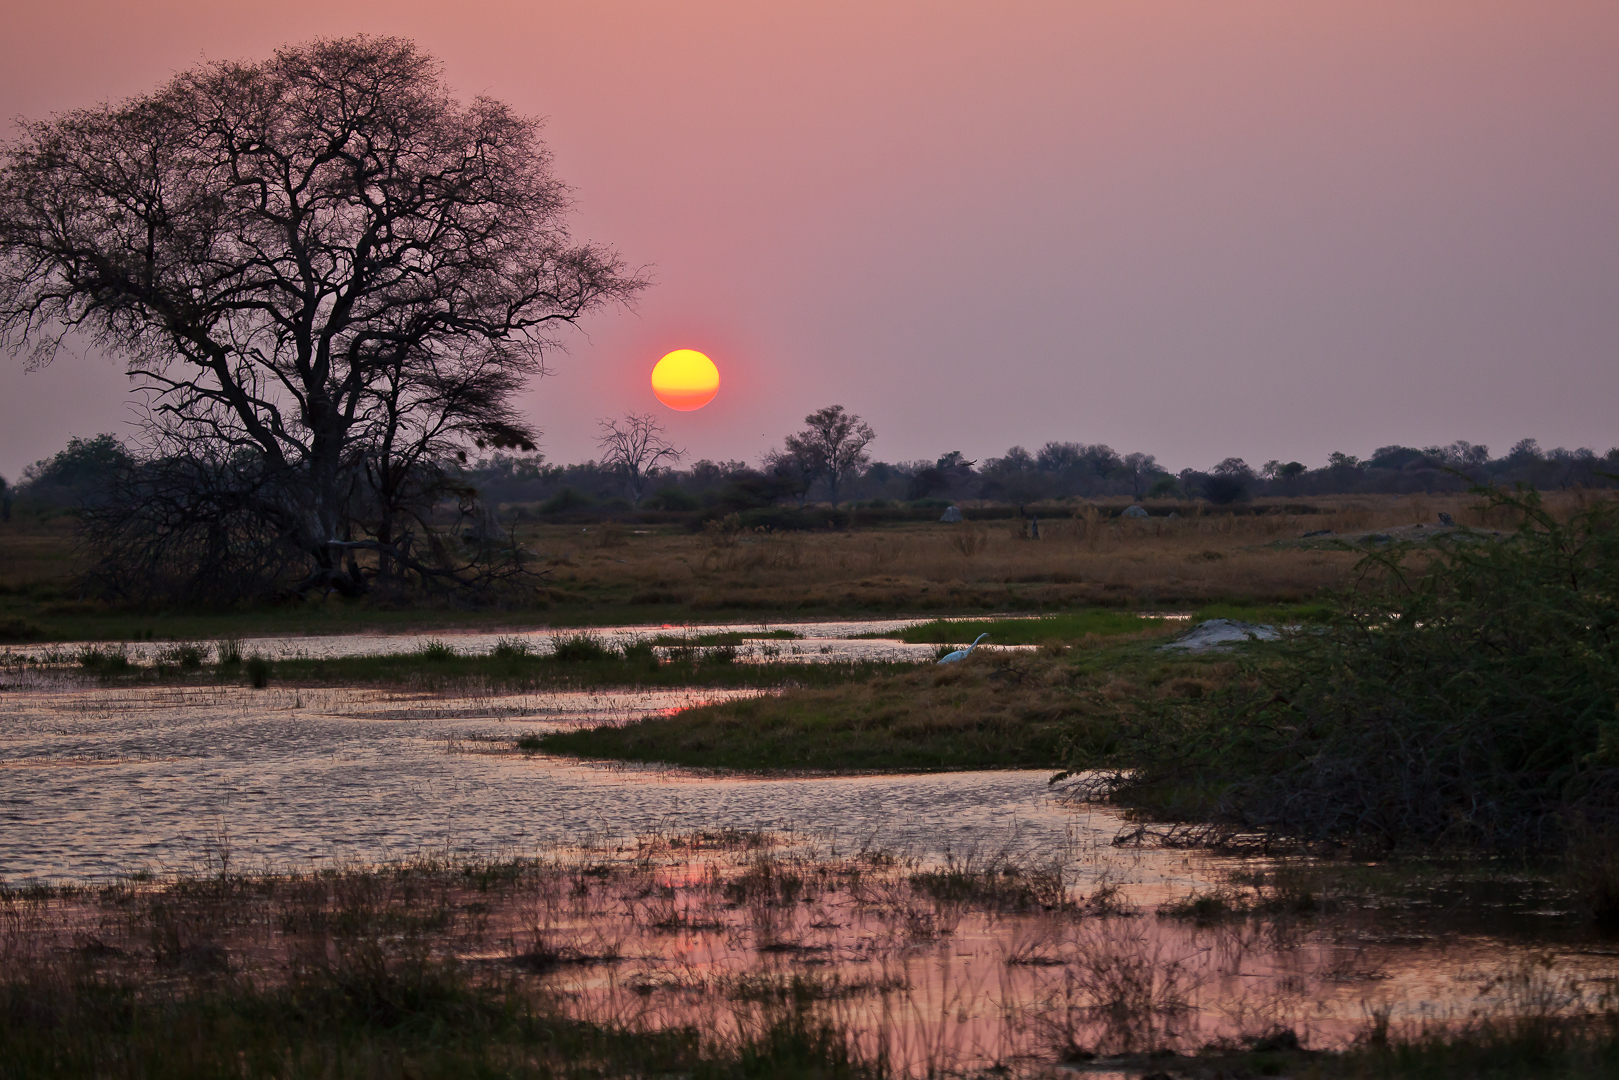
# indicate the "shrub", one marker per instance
pixel 435 650
pixel 258 672
pixel 582 647
pixel 1223 489
pixel 228 651
pixel 186 656
pixel 563 501
pixel 1469 699
pixel 641 654
pixel 14 629
pixel 673 498
pixel 511 649
pixel 108 662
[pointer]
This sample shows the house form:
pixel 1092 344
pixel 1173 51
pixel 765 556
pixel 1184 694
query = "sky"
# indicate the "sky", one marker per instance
pixel 1196 229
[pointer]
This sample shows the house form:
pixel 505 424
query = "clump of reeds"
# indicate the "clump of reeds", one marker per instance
pixel 258 671
pixel 580 647
pixel 435 650
pixel 510 648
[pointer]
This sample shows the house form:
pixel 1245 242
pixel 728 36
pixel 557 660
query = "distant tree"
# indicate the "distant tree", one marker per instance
pixel 1395 457
pixel 1080 467
pixel 832 446
pixel 1338 460
pixel 706 475
pixel 1460 454
pixel 1228 481
pixel 635 447
pixel 1525 451
pixel 1014 477
pixel 1057 457
pixel 1017 460
pixel 1141 469
pixel 1165 487
pixel 330 278
pixel 1270 469
pixel 791 471
pixel 1291 470
pixel 82 471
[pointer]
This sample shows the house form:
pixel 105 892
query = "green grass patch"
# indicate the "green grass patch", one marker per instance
pixel 1274 614
pixel 978 715
pixel 1069 626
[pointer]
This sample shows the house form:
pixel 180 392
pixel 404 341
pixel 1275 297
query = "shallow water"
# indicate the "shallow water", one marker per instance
pixel 97 780
pixel 819 642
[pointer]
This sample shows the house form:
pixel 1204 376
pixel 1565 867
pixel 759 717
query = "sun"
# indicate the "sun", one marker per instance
pixel 685 380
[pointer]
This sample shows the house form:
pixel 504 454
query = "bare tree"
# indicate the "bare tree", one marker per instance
pixel 831 447
pixel 321 265
pixel 634 448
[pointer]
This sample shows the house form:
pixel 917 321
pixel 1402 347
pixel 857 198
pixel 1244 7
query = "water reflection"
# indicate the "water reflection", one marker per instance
pixel 97 779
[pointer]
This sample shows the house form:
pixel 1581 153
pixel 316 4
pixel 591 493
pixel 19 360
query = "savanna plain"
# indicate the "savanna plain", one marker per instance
pixel 1380 844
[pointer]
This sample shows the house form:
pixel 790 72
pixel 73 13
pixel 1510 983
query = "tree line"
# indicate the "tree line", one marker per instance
pixel 827 462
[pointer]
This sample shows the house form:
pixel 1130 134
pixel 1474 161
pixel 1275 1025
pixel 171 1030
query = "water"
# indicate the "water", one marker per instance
pixel 101 779
pixel 819 642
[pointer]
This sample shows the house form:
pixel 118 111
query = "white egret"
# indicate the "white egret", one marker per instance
pixel 961 654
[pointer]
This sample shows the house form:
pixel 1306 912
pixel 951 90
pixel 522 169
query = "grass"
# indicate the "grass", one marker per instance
pixel 994 711
pixel 1066 627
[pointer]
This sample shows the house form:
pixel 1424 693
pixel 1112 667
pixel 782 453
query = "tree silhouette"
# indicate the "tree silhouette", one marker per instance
pixel 321 269
pixel 634 447
pixel 831 447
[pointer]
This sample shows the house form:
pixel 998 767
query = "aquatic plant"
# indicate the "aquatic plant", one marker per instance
pixel 258 672
pixel 435 650
pixel 580 647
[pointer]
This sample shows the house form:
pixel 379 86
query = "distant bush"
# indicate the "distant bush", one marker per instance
pixel 186 655
pixel 565 500
pixel 1468 700
pixel 1222 489
pixel 15 629
pixel 673 498
pixel 109 661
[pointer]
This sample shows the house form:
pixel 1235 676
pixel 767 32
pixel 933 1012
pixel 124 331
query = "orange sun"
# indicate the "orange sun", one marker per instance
pixel 685 380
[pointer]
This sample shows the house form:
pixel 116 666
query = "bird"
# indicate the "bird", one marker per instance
pixel 961 654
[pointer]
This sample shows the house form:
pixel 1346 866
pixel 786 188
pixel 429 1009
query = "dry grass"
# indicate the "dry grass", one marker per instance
pixel 609 573
pixel 1087 558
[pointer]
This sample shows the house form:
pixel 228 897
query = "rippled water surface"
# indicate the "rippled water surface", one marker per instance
pixel 97 779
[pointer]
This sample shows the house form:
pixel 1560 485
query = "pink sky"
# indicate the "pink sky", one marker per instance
pixel 1195 229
